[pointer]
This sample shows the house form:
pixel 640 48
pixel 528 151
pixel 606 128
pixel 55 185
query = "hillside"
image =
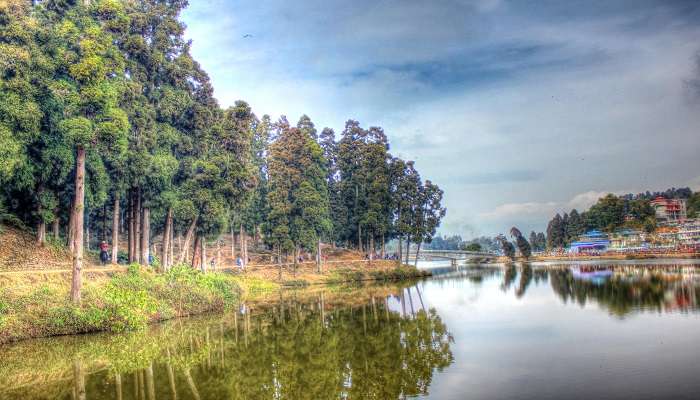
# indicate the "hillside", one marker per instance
pixel 19 251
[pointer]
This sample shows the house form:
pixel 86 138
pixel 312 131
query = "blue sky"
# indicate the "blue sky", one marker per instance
pixel 516 109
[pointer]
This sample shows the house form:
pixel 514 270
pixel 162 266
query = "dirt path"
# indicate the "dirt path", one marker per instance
pixel 248 268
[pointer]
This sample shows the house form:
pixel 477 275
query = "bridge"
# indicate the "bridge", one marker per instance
pixel 453 255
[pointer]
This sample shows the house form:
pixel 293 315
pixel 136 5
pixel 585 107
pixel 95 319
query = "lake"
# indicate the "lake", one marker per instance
pixel 625 330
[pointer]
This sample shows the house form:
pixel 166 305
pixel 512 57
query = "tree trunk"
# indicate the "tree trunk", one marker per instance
pixel 191 384
pixel 279 261
pixel 188 239
pixel 41 233
pixel 245 248
pixel 56 227
pixel 371 248
pixel 104 222
pixel 137 225
pixel 319 257
pixel 359 238
pixel 204 254
pixel 400 250
pixel 118 384
pixel 132 227
pixel 233 244
pixel 296 259
pixel 41 225
pixel 115 229
pixel 165 261
pixel 171 256
pixel 218 254
pixel 77 215
pixel 417 254
pixel 145 236
pixel 241 244
pixel 78 381
pixel 408 248
pixel 150 384
pixel 195 252
pixel 383 246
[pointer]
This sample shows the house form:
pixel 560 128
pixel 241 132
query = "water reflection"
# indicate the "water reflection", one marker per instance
pixel 300 348
pixel 525 331
pixel 624 292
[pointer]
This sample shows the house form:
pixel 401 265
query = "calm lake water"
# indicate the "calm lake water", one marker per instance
pixel 576 331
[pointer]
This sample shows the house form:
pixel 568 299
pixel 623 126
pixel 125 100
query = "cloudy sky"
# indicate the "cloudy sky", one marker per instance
pixel 517 109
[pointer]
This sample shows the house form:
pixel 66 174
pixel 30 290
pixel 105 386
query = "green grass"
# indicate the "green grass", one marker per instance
pixel 396 274
pixel 123 302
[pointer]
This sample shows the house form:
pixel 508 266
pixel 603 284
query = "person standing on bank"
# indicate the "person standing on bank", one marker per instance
pixel 104 256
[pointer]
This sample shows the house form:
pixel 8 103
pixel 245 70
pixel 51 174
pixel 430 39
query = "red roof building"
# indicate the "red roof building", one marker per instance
pixel 669 209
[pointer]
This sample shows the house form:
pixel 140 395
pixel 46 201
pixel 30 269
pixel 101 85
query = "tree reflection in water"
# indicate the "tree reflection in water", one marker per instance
pixel 292 350
pixel 509 277
pixel 623 294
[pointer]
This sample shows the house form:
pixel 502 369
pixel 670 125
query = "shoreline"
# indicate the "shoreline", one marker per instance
pixel 619 257
pixel 35 304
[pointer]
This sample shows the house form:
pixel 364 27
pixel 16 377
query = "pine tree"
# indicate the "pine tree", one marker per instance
pixel 88 84
pixel 298 195
pixel 574 227
pixel 534 241
pixel 555 233
pixel 523 246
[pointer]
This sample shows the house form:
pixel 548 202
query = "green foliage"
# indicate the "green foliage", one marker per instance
pixel 298 196
pixel 473 247
pixel 523 246
pixel 128 301
pixel 694 205
pixel 506 247
pixel 116 78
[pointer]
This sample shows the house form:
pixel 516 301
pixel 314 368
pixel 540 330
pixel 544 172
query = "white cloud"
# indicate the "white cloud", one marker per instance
pixel 581 102
pixel 581 202
pixel 584 201
pixel 519 210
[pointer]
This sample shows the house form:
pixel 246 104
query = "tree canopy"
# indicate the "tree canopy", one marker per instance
pixel 105 114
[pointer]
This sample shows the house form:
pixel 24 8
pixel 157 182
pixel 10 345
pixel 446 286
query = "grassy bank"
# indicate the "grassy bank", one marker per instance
pixel 33 307
pixel 343 271
pixel 38 305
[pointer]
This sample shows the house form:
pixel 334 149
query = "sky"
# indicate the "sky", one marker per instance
pixel 517 109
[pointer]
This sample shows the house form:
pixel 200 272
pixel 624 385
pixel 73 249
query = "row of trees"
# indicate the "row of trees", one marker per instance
pixel 108 125
pixel 455 242
pixel 608 214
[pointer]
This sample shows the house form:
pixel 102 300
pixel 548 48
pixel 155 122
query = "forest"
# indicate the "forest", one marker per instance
pixel 108 125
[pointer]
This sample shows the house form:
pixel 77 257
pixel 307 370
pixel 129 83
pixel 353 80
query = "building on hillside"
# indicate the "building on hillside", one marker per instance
pixel 628 239
pixel 669 210
pixel 590 242
pixel 689 234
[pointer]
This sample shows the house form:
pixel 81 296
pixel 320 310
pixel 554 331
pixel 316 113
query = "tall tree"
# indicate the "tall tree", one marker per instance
pixel 429 213
pixel 575 226
pixel 506 247
pixel 298 191
pixel 522 244
pixel 87 82
pixel 555 233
